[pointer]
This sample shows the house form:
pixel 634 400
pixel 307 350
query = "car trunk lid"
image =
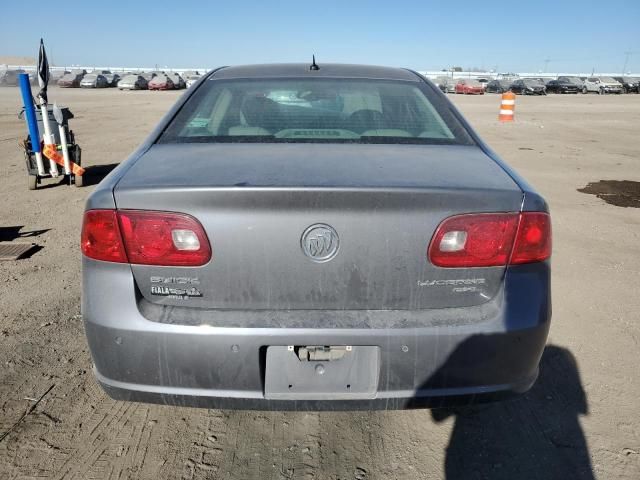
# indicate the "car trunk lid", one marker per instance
pixel 256 201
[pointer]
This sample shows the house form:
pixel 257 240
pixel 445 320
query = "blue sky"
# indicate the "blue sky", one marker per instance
pixel 512 36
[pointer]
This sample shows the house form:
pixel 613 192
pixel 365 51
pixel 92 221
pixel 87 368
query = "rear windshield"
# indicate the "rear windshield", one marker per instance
pixel 315 110
pixel 574 80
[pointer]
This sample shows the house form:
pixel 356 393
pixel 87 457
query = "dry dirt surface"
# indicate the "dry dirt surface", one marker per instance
pixel 580 421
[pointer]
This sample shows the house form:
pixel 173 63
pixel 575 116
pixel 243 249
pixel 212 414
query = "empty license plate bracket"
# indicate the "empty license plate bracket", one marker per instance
pixel 351 374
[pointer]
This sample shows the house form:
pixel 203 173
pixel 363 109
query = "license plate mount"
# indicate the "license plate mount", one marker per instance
pixel 353 376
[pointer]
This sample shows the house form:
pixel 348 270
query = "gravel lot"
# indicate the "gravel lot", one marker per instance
pixel 581 420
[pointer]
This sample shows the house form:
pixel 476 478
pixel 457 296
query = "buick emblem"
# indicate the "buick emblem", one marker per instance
pixel 320 242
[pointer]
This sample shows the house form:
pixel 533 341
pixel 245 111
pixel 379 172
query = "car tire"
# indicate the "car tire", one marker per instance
pixel 584 90
pixel 601 91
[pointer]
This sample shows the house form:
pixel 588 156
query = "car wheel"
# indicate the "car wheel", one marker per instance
pixel 584 90
pixel 601 91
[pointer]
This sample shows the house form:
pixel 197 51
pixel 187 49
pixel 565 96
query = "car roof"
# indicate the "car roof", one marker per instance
pixel 334 70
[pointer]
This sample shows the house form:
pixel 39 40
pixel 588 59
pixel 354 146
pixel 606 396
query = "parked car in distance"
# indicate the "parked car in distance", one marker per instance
pixel 91 80
pixel 469 86
pixel 149 75
pixel 9 78
pixel 293 184
pixel 629 84
pixel 497 86
pixel 94 80
pixel 483 81
pixel 450 85
pixel 445 84
pixel 112 79
pixel 601 85
pixel 577 81
pixel 561 86
pixel 178 81
pixel 191 79
pixel 440 82
pixel 56 75
pixel 160 82
pixel 528 86
pixel 133 82
pixel 71 80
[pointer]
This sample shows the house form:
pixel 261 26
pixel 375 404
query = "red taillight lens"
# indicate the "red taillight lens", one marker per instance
pixel 476 240
pixel 164 238
pixel 145 238
pixel 533 241
pixel 491 239
pixel 101 239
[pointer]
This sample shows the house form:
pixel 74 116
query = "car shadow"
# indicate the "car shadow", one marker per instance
pixel 94 174
pixel 536 435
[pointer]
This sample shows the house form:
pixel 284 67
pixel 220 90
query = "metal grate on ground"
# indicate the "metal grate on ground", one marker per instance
pixel 13 251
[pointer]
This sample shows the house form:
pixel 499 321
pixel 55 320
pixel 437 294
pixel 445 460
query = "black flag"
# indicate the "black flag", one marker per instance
pixel 43 72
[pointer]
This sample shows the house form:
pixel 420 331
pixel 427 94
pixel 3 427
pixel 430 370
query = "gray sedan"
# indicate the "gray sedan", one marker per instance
pixel 94 80
pixel 333 237
pixel 133 82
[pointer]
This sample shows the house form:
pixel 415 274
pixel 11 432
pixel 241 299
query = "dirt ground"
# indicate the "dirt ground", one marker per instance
pixel 581 420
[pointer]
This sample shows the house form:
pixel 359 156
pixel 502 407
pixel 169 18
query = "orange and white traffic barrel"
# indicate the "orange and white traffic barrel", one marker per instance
pixel 507 107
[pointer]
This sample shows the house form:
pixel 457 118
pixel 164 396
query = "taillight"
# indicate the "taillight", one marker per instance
pixel 101 239
pixel 491 239
pixel 150 238
pixel 533 241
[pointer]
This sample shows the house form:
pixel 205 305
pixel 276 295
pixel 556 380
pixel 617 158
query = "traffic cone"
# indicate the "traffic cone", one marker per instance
pixel 507 107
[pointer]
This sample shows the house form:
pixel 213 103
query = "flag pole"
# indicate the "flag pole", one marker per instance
pixel 43 81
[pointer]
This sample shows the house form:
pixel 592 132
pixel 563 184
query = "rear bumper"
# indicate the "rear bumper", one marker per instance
pixel 428 358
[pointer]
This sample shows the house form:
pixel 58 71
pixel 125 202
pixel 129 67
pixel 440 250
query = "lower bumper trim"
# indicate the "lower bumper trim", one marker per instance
pixel 255 400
